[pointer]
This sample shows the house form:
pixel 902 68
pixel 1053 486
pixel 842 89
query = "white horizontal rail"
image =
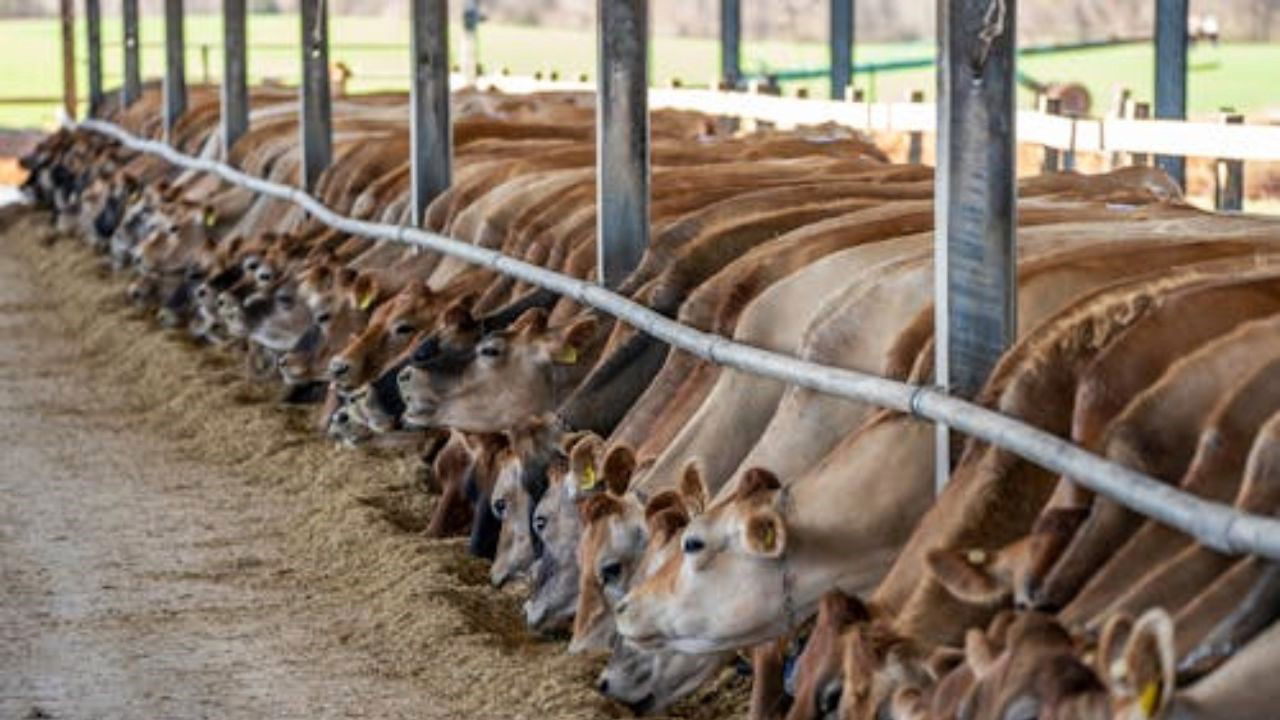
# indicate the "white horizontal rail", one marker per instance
pixel 1101 135
pixel 1214 524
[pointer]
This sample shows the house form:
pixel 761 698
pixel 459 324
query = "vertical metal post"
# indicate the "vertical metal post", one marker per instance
pixel 205 78
pixel 622 138
pixel 1171 76
pixel 470 41
pixel 731 43
pixel 841 39
pixel 175 65
pixel 430 137
pixel 132 67
pixel 317 113
pixel 976 209
pixel 915 146
pixel 1051 164
pixel 67 12
pixel 1228 185
pixel 93 29
pixel 235 79
pixel 1119 110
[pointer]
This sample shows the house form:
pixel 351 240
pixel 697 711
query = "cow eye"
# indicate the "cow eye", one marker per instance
pixel 539 524
pixel 500 507
pixel 490 351
pixel 693 545
pixel 285 301
pixel 322 317
pixel 403 329
pixel 829 697
pixel 610 573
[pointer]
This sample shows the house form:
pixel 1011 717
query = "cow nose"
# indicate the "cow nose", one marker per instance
pixel 339 368
pixel 603 686
pixel 202 293
pixel 405 377
pixel 135 293
pixel 342 417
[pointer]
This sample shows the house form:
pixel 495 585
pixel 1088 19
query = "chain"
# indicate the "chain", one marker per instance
pixel 788 580
pixel 992 27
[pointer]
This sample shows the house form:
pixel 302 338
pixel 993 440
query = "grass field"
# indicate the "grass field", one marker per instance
pixel 1235 75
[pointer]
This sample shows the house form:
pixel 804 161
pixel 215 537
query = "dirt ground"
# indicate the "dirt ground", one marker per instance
pixel 175 545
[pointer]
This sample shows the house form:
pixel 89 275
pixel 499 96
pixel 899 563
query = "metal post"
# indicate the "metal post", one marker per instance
pixel 1141 111
pixel 205 78
pixel 175 65
pixel 431 136
pixel 470 41
pixel 841 39
pixel 915 147
pixel 976 210
pixel 67 11
pixel 622 138
pixel 731 43
pixel 132 67
pixel 1171 76
pixel 1229 174
pixel 93 29
pixel 317 114
pixel 1050 106
pixel 235 79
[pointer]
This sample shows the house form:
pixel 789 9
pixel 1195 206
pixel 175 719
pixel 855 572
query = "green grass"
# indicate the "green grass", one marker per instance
pixel 1235 75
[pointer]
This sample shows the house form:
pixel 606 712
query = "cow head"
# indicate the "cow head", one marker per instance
pixel 694 603
pixel 393 328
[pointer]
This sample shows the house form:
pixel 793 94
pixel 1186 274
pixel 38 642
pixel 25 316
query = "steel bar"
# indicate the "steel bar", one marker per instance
pixel 93 33
pixel 622 138
pixel 67 13
pixel 317 110
pixel 235 73
pixel 175 64
pixel 132 65
pixel 841 40
pixel 431 136
pixel 974 253
pixel 1216 525
pixel 1171 76
pixel 1228 177
pixel 1141 111
pixel 731 44
pixel 915 145
pixel 1052 157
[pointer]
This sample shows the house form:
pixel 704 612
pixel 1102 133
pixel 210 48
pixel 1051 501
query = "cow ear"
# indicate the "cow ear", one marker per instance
pixel 842 610
pixel 1150 663
pixel 619 464
pixel 908 703
pixel 764 534
pixel 582 462
pixel 1108 659
pixel 665 525
pixel 967 576
pixel 458 315
pixel 693 489
pixel 573 339
pixel 943 660
pixel 532 322
pixel 598 506
pixel 978 653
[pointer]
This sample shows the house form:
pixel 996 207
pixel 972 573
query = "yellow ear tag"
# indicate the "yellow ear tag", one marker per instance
pixel 977 557
pixel 210 218
pixel 1149 701
pixel 366 300
pixel 770 538
pixel 568 355
pixel 589 478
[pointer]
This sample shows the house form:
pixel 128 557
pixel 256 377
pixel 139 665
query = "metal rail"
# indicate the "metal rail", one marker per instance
pixel 1216 525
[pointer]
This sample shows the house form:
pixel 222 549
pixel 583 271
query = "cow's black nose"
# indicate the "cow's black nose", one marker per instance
pixel 603 687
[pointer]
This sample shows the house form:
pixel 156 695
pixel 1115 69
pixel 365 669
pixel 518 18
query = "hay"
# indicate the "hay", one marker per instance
pixel 421 609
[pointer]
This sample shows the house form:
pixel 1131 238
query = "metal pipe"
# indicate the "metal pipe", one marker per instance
pixel 975 259
pixel 235 73
pixel 317 109
pixel 840 37
pixel 67 13
pixel 470 41
pixel 622 138
pixel 175 65
pixel 93 31
pixel 132 66
pixel 430 134
pixel 731 44
pixel 1171 76
pixel 1228 176
pixel 1217 525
